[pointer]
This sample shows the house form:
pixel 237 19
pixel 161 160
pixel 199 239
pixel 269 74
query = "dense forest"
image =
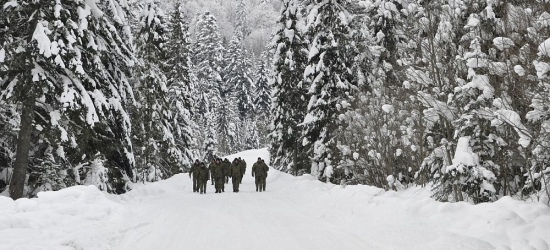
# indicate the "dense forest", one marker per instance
pixel 452 94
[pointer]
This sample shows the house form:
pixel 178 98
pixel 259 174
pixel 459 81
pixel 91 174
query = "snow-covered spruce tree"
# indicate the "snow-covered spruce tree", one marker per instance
pixel 210 141
pixel 262 93
pixel 262 102
pixel 219 116
pixel 241 27
pixel 499 62
pixel 208 49
pixel 332 85
pixel 289 102
pixel 440 73
pixel 207 61
pixel 157 155
pixel 237 75
pixel 437 73
pixel 252 139
pixel 225 120
pixel 46 172
pixel 69 63
pixel 8 122
pixel 473 99
pixel 177 68
pixel 202 105
pixel 196 125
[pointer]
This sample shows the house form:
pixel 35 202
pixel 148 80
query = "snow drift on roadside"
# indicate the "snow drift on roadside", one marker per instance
pixel 80 217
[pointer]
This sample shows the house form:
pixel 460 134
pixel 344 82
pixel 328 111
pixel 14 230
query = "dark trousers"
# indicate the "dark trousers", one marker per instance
pixel 202 186
pixel 219 183
pixel 236 181
pixel 195 185
pixel 260 183
pixel 263 182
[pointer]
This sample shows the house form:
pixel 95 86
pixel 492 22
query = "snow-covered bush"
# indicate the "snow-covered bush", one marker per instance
pixel 465 178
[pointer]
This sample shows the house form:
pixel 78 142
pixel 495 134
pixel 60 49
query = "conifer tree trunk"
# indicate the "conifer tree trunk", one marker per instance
pixel 17 183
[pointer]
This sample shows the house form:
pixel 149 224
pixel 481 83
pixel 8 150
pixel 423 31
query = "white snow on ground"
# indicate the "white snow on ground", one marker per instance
pixel 294 213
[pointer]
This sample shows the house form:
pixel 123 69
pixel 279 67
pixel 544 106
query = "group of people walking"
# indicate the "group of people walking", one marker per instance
pixel 219 171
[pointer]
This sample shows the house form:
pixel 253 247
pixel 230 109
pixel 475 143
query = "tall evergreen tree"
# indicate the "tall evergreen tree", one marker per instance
pixel 179 75
pixel 238 77
pixel 332 85
pixel 158 155
pixel 209 51
pixel 202 106
pixel 241 27
pixel 207 60
pixel 68 62
pixel 262 102
pixel 226 126
pixel 289 102
pixel 210 142
pixel 252 138
pixel 8 136
pixel 262 93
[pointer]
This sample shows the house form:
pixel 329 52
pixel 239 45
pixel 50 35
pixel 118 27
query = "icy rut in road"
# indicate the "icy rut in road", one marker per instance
pixel 294 213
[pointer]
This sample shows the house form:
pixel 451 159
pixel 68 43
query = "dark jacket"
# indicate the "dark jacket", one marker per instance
pixel 216 170
pixel 194 170
pixel 203 173
pixel 235 170
pixel 260 169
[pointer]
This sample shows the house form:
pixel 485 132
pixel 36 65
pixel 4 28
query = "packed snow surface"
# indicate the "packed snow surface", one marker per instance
pixel 293 213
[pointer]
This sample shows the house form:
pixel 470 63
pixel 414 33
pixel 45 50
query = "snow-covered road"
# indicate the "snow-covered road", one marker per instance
pixel 294 213
pixel 244 220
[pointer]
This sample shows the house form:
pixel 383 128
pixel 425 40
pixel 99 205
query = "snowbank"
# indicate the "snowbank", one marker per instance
pixel 80 217
pixel 505 224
